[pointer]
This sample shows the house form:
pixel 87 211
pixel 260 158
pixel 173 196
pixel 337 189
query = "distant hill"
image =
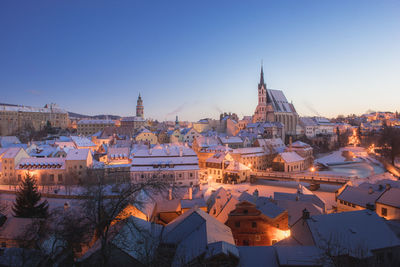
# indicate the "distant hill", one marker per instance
pixel 100 117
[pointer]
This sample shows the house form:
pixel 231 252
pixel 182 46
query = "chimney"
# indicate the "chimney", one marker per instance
pixel 190 192
pixel 306 214
pixel 170 194
pixel 290 144
pixel 255 193
pixel 180 151
pixel 370 190
pixel 388 186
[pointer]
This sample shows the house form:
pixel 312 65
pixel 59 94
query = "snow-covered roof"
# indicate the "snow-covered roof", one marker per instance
pixel 231 140
pixel 81 141
pixel 235 166
pixel 8 140
pixel 78 154
pixel 9 153
pixel 352 232
pixel 295 208
pixel 132 118
pixel 279 101
pixel 291 157
pixel 303 195
pixel 249 151
pixel 206 141
pixel 115 152
pixel 52 108
pixel 391 197
pixel 14 227
pixel 360 195
pixel 299 255
pixel 190 203
pixel 194 232
pixel 96 121
pixel 264 204
pixel 300 144
pixel 257 256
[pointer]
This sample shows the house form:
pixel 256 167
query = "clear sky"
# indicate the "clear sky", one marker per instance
pixel 195 59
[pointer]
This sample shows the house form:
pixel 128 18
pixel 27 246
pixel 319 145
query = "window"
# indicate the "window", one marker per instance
pixel 3 244
pixel 245 242
pixel 60 178
pixel 254 224
pixel 51 177
pixel 274 241
pixel 384 211
pixel 237 224
pixel 258 238
pixel 245 211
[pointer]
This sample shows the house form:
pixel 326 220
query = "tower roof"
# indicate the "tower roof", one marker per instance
pixel 262 78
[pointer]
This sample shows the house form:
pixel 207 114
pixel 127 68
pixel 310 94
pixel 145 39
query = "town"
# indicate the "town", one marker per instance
pixel 200 133
pixel 221 192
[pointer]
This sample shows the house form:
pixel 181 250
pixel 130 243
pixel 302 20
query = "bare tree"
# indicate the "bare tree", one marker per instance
pixel 101 207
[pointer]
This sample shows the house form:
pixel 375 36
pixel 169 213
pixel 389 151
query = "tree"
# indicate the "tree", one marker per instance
pixel 27 200
pixel 101 207
pixel 390 139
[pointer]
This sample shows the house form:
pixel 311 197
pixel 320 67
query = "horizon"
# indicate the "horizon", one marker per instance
pixel 196 60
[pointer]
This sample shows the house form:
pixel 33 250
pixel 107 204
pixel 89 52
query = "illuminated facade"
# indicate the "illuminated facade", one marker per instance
pixel 15 118
pixel 273 106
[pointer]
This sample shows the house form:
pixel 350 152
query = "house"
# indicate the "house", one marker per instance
pixel 175 164
pixel 231 141
pixel 388 204
pixel 9 160
pixel 273 146
pixel 288 162
pixel 188 135
pixel 220 204
pixel 133 242
pixel 216 166
pixel 253 157
pixel 347 236
pixel 257 221
pixel 305 151
pixel 195 237
pixel 13 230
pixel 78 161
pixel 118 155
pixel 146 136
pixel 83 142
pixel 236 172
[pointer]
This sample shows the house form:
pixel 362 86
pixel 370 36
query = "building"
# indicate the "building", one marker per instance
pixel 14 118
pixel 305 151
pixel 146 136
pixel 175 164
pixel 253 157
pixel 388 204
pixel 257 221
pixel 349 237
pixel 135 122
pixel 216 166
pixel 273 106
pixel 139 107
pixel 9 160
pixel 288 162
pixel 89 127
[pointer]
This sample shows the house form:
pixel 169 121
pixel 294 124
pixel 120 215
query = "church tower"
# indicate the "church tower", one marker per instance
pixel 264 111
pixel 139 107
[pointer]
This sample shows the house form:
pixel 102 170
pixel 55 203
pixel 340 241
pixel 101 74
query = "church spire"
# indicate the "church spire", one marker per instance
pixel 262 74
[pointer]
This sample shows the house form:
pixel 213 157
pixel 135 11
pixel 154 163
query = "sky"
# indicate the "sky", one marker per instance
pixel 196 59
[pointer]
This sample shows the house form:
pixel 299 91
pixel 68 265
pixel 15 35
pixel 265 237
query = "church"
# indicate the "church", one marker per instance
pixel 135 122
pixel 273 106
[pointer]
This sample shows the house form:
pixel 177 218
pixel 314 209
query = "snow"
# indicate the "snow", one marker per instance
pixel 82 141
pixel 264 204
pixel 290 157
pixel 298 255
pixel 84 121
pixel 352 232
pixel 190 203
pixel 391 197
pixel 9 153
pixel 52 109
pixel 78 154
pixel 257 256
pixel 359 196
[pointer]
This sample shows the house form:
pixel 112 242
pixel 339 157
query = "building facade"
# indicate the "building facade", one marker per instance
pixel 273 106
pixel 14 118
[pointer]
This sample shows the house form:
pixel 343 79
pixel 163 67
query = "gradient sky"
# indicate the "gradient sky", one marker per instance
pixel 197 58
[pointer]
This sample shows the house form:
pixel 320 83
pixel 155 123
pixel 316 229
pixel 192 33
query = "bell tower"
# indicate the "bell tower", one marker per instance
pixel 139 107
